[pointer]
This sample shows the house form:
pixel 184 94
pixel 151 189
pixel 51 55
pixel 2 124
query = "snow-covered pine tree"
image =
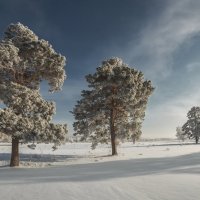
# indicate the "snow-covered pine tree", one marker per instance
pixel 113 108
pixel 192 127
pixel 26 60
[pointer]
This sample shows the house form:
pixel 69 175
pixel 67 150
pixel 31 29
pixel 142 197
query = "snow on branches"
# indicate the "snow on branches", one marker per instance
pixel 26 60
pixel 28 116
pixel 191 128
pixel 114 107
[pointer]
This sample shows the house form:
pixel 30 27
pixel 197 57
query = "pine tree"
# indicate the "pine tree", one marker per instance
pixel 113 108
pixel 192 127
pixel 26 60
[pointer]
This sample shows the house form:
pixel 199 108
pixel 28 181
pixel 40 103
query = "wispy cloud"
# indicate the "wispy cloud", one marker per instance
pixel 162 37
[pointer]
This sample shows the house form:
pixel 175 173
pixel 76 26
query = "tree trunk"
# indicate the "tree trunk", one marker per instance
pixel 196 139
pixel 112 133
pixel 14 162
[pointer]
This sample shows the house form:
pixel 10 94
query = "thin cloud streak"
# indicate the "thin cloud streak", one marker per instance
pixel 162 38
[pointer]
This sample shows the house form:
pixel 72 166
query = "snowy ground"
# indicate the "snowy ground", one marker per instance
pixel 144 171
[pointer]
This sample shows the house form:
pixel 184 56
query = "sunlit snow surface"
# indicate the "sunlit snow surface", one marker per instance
pixel 158 170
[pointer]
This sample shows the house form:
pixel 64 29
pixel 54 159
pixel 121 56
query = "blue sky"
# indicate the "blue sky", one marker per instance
pixel 160 38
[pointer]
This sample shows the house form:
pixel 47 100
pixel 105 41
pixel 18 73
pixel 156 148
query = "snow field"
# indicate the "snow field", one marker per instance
pixel 144 171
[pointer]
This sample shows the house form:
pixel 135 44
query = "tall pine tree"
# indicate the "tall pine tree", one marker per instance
pixel 26 60
pixel 114 106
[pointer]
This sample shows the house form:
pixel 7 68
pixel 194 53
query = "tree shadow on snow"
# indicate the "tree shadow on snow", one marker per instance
pixel 106 170
pixel 37 157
